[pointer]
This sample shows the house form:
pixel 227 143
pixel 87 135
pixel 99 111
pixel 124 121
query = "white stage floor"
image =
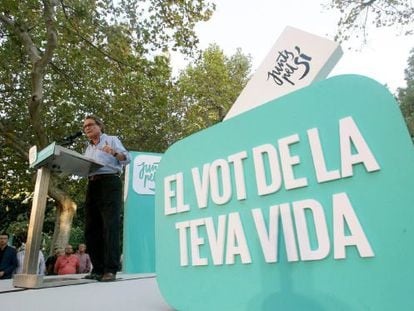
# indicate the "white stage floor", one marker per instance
pixel 134 292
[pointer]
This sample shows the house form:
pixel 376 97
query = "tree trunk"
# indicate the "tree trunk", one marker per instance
pixel 40 59
pixel 65 211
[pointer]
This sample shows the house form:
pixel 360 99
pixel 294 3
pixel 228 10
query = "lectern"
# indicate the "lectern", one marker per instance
pixel 53 158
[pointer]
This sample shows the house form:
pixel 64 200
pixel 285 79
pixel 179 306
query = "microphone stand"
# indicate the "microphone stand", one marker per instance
pixel 67 141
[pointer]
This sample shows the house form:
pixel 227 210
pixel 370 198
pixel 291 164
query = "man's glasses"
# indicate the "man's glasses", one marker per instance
pixel 88 125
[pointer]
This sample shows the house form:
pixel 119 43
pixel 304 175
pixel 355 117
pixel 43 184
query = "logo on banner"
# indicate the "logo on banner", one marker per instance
pixel 145 167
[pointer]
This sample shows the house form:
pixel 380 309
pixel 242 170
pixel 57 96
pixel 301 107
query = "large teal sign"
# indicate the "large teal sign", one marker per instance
pixel 304 203
pixel 139 219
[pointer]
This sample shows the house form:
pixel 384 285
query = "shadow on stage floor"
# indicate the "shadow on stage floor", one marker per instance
pixel 135 292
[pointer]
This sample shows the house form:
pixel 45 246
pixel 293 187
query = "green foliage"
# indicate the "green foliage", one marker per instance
pixel 357 16
pixel 406 95
pixel 76 237
pixel 15 215
pixel 107 62
pixel 13 211
pixel 206 90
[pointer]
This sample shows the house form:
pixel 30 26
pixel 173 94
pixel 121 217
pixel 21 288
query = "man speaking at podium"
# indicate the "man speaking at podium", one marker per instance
pixel 103 200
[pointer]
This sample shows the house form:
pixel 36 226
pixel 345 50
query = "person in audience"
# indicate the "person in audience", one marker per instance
pixel 8 257
pixel 20 261
pixel 51 260
pixel 67 263
pixel 85 265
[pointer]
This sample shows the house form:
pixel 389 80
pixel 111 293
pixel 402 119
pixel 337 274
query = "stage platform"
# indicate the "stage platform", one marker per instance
pixel 131 292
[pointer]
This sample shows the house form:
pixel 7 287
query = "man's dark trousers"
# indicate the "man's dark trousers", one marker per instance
pixel 102 222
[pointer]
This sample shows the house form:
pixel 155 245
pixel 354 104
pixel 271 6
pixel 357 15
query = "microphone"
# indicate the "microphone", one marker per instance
pixel 68 140
pixel 73 136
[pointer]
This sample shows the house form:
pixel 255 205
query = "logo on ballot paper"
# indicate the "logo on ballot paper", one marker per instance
pixel 290 66
pixel 296 60
pixel 310 209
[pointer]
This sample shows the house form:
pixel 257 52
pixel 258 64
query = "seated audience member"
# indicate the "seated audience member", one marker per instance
pixel 67 263
pixel 84 259
pixel 51 260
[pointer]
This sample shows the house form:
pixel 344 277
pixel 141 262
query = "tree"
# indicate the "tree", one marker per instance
pixel 356 16
pixel 406 95
pixel 60 60
pixel 207 88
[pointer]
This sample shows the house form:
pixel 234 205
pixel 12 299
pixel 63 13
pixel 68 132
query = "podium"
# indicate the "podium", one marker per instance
pixel 53 158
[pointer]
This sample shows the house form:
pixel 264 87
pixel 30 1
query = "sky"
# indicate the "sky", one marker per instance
pixel 255 25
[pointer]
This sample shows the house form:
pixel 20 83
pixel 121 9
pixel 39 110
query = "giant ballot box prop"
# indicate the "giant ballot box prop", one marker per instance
pixel 302 203
pixel 52 159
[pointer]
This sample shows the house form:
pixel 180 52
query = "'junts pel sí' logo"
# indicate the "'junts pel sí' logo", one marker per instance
pixel 290 66
pixel 145 167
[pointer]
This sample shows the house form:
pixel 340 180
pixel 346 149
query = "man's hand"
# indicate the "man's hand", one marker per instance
pixel 108 148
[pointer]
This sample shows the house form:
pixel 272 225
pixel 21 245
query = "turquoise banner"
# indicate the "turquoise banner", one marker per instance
pixel 139 220
pixel 304 203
